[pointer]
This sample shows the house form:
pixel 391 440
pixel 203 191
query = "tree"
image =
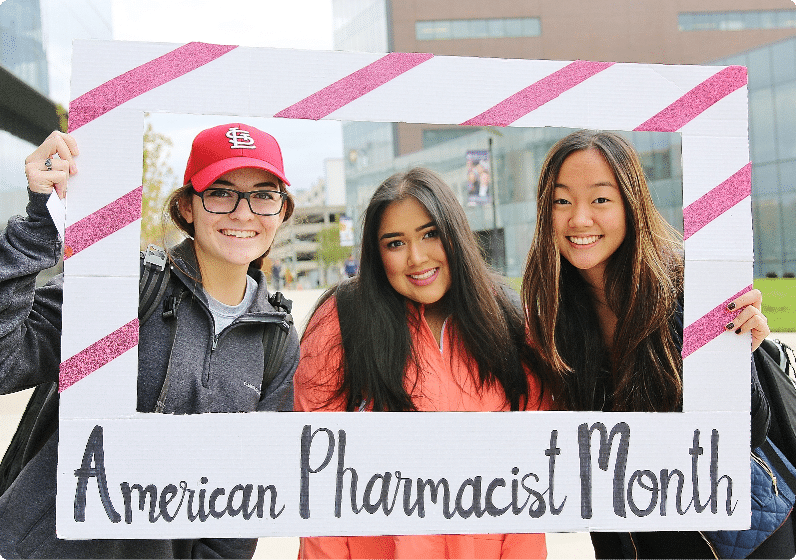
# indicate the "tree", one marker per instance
pixel 329 250
pixel 158 181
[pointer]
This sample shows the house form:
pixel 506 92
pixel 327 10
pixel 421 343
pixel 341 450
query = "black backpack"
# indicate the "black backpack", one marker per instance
pixel 40 419
pixel 777 373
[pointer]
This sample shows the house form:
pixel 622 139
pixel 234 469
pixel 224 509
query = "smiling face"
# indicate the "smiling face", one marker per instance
pixel 225 242
pixel 412 253
pixel 588 213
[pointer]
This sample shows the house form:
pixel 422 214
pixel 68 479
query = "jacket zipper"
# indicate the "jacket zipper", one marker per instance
pixel 633 542
pixel 769 472
pixel 237 322
pixel 710 545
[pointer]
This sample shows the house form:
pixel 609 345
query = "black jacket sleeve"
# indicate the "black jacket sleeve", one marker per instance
pixel 30 318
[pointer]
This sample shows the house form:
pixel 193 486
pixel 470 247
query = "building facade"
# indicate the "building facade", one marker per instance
pixel 24 81
pixel 35 67
pixel 297 242
pixel 759 34
pixel 772 139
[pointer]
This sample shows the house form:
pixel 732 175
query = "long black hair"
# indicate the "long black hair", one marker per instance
pixel 375 334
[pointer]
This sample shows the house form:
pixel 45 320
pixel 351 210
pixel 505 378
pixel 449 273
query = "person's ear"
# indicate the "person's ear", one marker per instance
pixel 186 208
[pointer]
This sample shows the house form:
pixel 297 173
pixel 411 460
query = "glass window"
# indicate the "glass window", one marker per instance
pixel 424 30
pixel 703 22
pixel 785 105
pixel 765 180
pixel 787 173
pixel 731 22
pixel 788 205
pixel 532 27
pixel 759 69
pixel 786 19
pixel 784 54
pixel 497 27
pixel 761 126
pixel 768 230
pixel 460 29
pixel 685 22
pixel 513 27
pixel 751 20
pixel 768 20
pixel 477 28
pixel 443 30
pixel 736 21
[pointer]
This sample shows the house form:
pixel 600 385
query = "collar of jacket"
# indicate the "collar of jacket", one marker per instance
pixel 186 268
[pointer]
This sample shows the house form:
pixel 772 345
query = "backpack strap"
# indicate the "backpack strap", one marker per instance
pixel 153 281
pixel 170 315
pixel 274 340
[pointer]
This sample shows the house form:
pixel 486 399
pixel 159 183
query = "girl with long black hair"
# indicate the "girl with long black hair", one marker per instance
pixel 423 327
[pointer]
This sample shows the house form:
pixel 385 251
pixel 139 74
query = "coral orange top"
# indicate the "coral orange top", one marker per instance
pixel 446 382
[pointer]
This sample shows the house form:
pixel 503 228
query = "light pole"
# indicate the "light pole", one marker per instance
pixel 493 183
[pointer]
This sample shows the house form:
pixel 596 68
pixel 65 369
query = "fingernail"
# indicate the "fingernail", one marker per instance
pixel 731 306
pixel 730 326
pixel 738 330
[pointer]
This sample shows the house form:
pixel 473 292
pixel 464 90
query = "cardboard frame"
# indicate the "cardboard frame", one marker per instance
pixel 507 472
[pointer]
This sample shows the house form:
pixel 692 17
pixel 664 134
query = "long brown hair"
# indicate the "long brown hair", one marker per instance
pixel 375 335
pixel 184 194
pixel 643 287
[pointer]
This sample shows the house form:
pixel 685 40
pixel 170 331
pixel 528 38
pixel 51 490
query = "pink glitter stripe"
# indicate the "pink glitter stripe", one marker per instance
pixel 103 222
pixel 539 93
pixel 142 79
pixel 696 101
pixel 714 203
pixel 705 329
pixel 353 86
pixel 98 354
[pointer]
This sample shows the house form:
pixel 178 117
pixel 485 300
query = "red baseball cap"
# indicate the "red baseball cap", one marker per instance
pixel 220 149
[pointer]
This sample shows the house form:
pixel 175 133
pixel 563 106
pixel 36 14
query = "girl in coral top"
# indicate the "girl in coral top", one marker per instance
pixel 422 327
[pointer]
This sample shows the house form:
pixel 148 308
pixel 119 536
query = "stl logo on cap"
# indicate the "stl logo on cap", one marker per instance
pixel 239 138
pixel 225 147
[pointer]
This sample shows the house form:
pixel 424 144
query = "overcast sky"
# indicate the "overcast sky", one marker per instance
pixel 306 24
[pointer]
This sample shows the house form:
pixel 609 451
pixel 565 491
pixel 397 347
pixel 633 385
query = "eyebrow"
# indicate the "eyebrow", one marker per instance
pixel 258 185
pixel 595 185
pixel 399 233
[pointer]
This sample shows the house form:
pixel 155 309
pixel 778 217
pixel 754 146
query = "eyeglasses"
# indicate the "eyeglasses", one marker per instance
pixel 225 201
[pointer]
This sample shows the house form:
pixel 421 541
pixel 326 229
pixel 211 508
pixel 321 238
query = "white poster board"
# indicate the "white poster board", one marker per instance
pixel 288 474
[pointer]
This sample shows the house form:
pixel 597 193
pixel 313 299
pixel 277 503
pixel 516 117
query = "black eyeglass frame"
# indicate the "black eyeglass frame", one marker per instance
pixel 241 194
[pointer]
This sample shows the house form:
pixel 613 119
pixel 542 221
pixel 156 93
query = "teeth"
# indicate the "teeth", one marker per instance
pixel 238 233
pixel 426 274
pixel 584 240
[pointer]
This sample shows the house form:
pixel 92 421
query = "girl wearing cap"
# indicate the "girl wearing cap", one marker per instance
pixel 233 201
pixel 603 292
pixel 426 291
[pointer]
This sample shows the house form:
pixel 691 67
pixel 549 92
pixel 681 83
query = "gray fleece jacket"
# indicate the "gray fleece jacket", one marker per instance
pixel 209 374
